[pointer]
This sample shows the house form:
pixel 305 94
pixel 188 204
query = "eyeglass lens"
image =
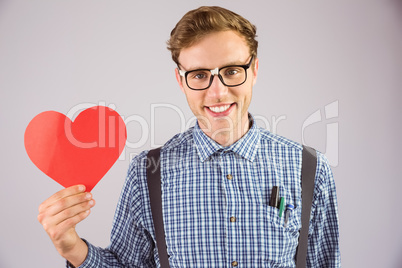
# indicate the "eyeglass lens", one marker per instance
pixel 231 76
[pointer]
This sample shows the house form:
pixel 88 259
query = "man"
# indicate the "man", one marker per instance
pixel 216 177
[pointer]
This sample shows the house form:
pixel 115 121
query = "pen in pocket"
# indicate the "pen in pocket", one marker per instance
pixel 288 212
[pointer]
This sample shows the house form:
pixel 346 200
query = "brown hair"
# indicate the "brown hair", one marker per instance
pixel 204 20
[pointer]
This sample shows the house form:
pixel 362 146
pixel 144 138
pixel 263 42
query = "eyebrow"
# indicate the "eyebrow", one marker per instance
pixel 203 68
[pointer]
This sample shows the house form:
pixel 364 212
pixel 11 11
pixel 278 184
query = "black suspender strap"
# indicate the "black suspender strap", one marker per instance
pixel 309 164
pixel 155 196
pixel 308 170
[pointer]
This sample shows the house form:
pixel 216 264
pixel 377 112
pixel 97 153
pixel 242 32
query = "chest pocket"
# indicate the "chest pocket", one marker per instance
pixel 278 223
pixel 278 242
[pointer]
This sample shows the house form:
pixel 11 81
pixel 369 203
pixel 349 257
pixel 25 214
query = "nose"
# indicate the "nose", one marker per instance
pixel 217 88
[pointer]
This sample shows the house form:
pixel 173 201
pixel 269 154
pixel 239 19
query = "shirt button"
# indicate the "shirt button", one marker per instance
pixel 229 177
pixel 234 263
pixel 232 219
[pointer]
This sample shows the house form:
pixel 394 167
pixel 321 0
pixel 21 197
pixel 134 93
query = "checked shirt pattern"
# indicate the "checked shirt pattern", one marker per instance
pixel 215 206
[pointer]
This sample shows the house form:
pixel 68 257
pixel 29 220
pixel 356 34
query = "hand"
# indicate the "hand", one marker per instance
pixel 59 215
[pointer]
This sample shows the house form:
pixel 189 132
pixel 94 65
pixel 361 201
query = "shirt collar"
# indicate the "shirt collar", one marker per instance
pixel 246 147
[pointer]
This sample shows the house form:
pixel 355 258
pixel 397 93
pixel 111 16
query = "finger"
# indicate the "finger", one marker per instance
pixel 73 190
pixel 66 214
pixel 72 211
pixel 64 204
pixel 57 231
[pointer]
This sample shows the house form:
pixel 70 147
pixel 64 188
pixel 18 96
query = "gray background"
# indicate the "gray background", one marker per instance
pixel 60 55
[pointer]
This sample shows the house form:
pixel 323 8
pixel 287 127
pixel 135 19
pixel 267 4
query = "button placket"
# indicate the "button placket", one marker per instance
pixel 231 212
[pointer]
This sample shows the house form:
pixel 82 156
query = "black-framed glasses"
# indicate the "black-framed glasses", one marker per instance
pixel 230 76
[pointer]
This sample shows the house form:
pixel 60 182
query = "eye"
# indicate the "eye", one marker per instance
pixel 198 75
pixel 232 71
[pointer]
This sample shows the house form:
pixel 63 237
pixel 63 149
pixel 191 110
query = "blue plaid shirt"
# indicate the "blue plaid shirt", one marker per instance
pixel 216 207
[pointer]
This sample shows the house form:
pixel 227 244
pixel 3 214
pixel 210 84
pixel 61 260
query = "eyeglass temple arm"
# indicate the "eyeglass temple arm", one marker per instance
pixel 181 72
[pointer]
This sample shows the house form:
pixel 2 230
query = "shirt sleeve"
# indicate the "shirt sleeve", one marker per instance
pixel 131 244
pixel 323 244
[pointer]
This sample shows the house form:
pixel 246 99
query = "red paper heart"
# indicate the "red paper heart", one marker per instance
pixel 79 152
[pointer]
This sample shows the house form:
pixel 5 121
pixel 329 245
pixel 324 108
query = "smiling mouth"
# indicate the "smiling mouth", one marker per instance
pixel 220 109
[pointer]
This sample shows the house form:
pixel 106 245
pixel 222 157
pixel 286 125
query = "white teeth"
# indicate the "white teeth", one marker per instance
pixel 219 109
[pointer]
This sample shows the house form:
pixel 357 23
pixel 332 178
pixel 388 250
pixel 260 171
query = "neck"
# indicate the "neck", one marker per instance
pixel 226 133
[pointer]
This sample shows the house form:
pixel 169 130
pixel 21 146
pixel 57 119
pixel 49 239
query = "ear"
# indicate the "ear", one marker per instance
pixel 255 71
pixel 179 79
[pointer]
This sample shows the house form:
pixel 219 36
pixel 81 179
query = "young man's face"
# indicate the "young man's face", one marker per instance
pixel 222 111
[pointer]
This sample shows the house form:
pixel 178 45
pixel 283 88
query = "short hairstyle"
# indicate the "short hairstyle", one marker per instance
pixel 204 20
